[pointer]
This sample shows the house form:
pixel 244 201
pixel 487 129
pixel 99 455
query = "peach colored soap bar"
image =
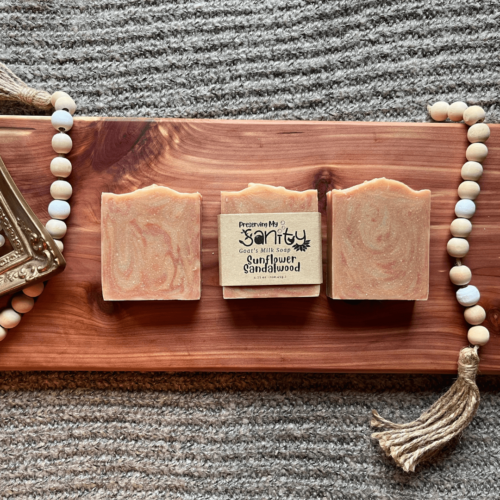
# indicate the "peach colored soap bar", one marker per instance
pixel 378 242
pixel 151 245
pixel 261 198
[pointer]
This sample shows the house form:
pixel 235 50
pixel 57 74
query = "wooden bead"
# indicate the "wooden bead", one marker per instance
pixel 480 132
pixel 475 315
pixel 477 152
pixel 465 209
pixel 60 245
pixel 478 335
pixel 3 333
pixel 59 209
pixel 439 111
pixel 460 275
pixel 62 121
pixel 472 171
pixel 458 247
pixel 34 290
pixel 9 318
pixel 57 95
pixel 62 143
pixel 56 228
pixel 456 111
pixel 60 167
pixel 66 103
pixel 22 303
pixel 474 114
pixel 2 240
pixel 469 190
pixel 461 228
pixel 61 190
pixel 468 296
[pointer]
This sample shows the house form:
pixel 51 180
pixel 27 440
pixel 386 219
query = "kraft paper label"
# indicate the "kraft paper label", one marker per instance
pixel 270 249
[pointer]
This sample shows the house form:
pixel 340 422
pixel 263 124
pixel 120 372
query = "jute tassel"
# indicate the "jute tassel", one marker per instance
pixel 12 88
pixel 410 444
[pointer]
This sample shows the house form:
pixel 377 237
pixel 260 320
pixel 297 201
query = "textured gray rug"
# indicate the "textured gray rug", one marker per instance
pixel 244 436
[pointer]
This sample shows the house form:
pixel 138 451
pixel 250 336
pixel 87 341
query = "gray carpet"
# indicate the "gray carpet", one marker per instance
pixel 243 436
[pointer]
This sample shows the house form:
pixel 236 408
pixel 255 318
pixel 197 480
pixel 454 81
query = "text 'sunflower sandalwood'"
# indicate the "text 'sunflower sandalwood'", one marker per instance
pixel 151 245
pixel 263 199
pixel 378 242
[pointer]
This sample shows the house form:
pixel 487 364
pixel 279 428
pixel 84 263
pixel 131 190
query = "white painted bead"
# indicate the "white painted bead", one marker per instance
pixel 439 111
pixel 60 167
pixel 2 240
pixel 460 275
pixel 468 296
pixel 474 114
pixel 57 95
pixel 22 303
pixel 56 228
pixel 461 228
pixel 480 132
pixel 9 318
pixel 61 190
pixel 475 315
pixel 3 333
pixel 59 209
pixel 469 190
pixel 66 103
pixel 62 143
pixel 458 247
pixel 477 152
pixel 62 120
pixel 34 290
pixel 472 171
pixel 60 245
pixel 478 335
pixel 465 208
pixel 456 111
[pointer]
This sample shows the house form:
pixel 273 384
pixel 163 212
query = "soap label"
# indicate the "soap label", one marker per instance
pixel 270 249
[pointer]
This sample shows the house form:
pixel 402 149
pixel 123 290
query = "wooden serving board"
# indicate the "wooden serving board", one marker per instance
pixel 72 328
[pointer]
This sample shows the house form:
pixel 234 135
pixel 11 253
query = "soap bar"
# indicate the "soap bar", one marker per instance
pixel 378 242
pixel 151 245
pixel 261 198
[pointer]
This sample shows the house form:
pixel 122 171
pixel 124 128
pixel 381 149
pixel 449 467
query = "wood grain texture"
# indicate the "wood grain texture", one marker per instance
pixel 72 328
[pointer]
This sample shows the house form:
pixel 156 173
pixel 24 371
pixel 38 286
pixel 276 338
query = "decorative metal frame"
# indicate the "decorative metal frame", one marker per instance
pixel 34 256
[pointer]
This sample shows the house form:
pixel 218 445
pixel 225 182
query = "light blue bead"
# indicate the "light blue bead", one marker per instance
pixel 465 209
pixel 62 120
pixel 59 209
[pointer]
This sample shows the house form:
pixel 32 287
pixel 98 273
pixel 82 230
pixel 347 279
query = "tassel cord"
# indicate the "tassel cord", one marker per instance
pixel 391 438
pixel 12 88
pixel 409 444
pixel 429 416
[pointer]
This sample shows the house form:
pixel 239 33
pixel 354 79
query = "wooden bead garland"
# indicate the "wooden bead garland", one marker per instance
pixel 61 190
pixel 410 443
pixel 460 228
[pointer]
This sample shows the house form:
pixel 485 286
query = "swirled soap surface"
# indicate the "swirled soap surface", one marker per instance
pixel 378 242
pixel 151 245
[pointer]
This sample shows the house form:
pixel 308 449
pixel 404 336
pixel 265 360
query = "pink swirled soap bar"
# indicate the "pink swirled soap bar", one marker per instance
pixel 260 199
pixel 151 245
pixel 378 242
